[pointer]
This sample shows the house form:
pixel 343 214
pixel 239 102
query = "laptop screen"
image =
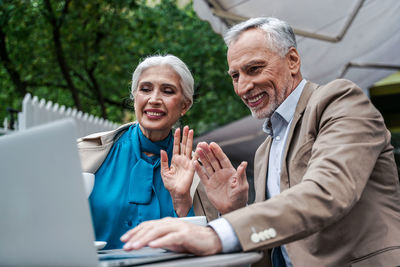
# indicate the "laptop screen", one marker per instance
pixel 45 216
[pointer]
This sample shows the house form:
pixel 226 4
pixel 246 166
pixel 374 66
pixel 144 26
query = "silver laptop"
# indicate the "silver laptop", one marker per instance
pixel 44 213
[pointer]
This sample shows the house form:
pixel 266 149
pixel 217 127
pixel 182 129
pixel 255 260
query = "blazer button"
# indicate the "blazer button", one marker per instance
pixel 266 234
pixel 271 232
pixel 255 238
pixel 262 236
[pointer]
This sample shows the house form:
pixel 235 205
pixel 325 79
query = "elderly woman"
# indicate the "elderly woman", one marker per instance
pixel 134 180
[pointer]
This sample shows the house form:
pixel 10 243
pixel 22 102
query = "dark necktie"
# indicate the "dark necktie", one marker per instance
pixel 277 258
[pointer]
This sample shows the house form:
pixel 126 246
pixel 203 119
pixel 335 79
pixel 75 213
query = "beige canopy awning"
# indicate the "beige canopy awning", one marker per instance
pixel 354 39
pixel 357 40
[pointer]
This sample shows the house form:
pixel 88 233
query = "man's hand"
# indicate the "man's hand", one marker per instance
pixel 179 176
pixel 175 235
pixel 226 187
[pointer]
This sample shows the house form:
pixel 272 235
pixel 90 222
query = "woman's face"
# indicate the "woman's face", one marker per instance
pixel 159 101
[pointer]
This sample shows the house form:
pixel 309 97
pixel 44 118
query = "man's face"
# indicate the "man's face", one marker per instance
pixel 261 77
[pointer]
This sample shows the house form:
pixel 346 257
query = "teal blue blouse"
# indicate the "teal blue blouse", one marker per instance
pixel 128 187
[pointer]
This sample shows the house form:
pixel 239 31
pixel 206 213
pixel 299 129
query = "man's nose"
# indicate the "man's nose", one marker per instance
pixel 244 85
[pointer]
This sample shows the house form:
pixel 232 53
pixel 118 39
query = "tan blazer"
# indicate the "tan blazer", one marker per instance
pixel 94 148
pixel 340 196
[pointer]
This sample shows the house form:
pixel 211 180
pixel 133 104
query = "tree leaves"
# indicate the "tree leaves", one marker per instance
pixel 101 44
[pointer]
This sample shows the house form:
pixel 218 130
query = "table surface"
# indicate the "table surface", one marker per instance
pixel 231 259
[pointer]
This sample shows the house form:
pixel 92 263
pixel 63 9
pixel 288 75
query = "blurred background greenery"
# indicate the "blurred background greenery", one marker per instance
pixel 82 54
pixel 385 95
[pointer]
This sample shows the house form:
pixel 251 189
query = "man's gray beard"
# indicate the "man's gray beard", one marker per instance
pixel 265 114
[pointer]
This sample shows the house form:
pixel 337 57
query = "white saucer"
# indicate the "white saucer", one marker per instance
pixel 100 244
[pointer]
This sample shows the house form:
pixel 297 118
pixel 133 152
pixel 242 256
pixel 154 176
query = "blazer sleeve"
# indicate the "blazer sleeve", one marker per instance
pixel 202 206
pixel 338 141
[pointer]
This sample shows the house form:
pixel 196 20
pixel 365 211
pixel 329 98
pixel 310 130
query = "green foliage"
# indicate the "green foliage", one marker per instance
pixel 101 43
pixel 396 149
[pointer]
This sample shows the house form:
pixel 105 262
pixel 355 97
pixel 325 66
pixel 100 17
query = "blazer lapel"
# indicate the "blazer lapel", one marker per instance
pixel 301 105
pixel 260 169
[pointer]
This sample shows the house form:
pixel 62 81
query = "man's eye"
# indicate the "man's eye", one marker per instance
pixel 253 69
pixel 235 77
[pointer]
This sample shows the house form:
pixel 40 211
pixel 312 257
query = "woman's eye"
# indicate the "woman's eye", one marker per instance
pixel 169 91
pixel 144 89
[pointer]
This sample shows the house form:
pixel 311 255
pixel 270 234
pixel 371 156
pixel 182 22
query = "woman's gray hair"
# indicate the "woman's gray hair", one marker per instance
pixel 177 65
pixel 278 32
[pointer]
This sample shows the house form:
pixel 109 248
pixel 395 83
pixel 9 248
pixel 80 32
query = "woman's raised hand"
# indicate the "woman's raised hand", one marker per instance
pixel 178 177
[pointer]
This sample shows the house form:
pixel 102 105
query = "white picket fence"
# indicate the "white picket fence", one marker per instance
pixel 36 112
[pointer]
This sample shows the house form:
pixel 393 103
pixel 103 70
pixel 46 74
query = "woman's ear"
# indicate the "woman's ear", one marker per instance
pixel 185 106
pixel 294 61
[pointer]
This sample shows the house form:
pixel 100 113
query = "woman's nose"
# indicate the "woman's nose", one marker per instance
pixel 155 97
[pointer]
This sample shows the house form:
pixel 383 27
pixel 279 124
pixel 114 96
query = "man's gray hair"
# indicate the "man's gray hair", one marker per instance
pixel 278 32
pixel 176 64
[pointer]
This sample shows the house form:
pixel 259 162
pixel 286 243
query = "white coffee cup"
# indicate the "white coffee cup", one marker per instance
pixel 199 220
pixel 88 180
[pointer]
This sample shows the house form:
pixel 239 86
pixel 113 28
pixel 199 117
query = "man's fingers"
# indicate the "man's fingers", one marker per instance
pixel 200 171
pixel 125 237
pixel 195 156
pixel 169 241
pixel 220 156
pixel 149 231
pixel 213 161
pixel 205 161
pixel 241 170
pixel 202 145
pixel 135 238
pixel 131 233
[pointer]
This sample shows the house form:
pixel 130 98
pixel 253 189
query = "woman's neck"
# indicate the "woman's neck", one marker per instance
pixel 154 136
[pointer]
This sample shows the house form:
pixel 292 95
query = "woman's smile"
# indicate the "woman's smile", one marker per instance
pixel 154 114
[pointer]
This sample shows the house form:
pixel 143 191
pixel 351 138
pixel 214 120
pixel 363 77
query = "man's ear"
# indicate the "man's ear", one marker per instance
pixel 294 62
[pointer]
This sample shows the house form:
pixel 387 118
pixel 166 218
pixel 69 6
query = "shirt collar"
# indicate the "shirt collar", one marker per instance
pixel 287 108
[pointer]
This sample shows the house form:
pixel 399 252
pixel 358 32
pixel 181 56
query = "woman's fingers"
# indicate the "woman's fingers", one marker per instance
pixel 177 141
pixel 189 144
pixel 185 147
pixel 164 161
pixel 184 139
